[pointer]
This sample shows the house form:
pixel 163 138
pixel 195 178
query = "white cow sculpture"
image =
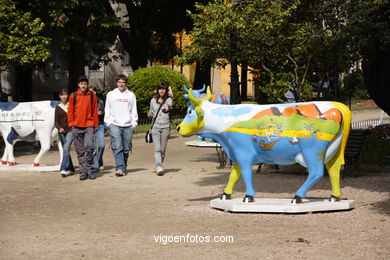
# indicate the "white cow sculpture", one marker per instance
pixel 28 121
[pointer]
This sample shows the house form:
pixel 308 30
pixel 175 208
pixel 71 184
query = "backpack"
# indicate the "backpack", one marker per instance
pixel 75 98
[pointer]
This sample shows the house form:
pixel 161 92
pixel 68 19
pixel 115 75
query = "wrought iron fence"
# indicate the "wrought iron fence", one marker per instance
pixel 366 124
pixel 144 123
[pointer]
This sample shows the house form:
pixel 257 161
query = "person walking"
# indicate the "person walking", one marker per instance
pixel 83 120
pixel 66 138
pixel 120 115
pixel 99 135
pixel 160 107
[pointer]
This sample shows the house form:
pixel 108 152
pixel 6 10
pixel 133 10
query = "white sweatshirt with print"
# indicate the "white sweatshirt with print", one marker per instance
pixel 121 108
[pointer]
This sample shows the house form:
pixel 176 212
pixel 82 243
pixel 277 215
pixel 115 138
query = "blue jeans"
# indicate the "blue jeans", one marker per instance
pixel 66 141
pixel 121 144
pixel 99 147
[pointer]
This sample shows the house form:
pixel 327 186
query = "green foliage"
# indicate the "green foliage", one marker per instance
pixel 20 39
pixel 260 33
pixel 354 85
pixel 144 81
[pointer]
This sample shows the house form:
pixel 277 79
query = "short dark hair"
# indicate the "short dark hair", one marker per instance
pixel 82 78
pixel 121 77
pixel 63 92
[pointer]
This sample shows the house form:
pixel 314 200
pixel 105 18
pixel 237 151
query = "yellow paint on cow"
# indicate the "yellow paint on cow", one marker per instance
pixel 233 178
pixel 334 165
pixel 282 133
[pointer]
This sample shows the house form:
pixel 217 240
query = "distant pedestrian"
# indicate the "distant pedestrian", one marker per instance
pixel 99 135
pixel 160 108
pixel 83 120
pixel 66 137
pixel 120 115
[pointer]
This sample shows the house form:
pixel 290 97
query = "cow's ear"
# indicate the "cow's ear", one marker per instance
pixel 199 111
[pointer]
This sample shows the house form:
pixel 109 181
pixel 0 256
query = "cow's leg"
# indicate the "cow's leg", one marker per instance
pixel 56 136
pixel 233 178
pixel 9 154
pixel 246 171
pixel 334 166
pixel 45 141
pixel 5 157
pixel 316 172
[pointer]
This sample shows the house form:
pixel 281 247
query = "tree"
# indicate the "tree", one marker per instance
pixel 83 28
pixel 259 33
pixel 21 41
pixel 148 31
pixel 369 24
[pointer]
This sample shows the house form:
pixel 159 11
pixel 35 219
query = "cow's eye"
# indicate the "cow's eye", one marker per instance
pixel 190 112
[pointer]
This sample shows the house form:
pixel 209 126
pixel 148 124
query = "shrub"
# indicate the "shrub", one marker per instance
pixel 144 81
pixel 376 146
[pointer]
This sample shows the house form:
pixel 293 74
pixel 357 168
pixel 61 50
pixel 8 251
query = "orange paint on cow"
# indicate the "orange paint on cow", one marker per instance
pixel 333 114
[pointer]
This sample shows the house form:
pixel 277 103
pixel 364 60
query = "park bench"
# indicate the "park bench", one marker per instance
pixel 353 148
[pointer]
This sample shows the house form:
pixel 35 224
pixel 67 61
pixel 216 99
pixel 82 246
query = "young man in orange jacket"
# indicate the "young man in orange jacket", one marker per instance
pixel 83 120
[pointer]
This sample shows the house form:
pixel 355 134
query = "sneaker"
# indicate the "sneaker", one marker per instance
pixel 64 173
pixel 119 173
pixel 101 168
pixel 91 176
pixel 160 172
pixel 69 173
pixel 83 176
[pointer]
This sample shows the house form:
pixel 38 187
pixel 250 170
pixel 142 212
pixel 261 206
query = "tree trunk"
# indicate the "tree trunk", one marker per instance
pixel 376 69
pixel 244 81
pixel 202 75
pixel 23 84
pixel 76 64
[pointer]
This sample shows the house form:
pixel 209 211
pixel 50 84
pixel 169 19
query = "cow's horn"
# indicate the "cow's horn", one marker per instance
pixel 185 88
pixel 209 95
pixel 203 88
pixel 195 101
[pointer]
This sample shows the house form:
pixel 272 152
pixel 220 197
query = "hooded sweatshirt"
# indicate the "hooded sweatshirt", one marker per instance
pixel 121 108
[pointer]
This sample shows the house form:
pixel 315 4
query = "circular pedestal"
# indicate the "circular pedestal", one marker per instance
pixel 30 168
pixel 270 205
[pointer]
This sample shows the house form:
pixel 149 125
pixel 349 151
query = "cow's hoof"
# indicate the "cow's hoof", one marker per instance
pixel 3 162
pixel 296 200
pixel 11 163
pixel 334 198
pixel 226 196
pixel 248 199
pixel 36 164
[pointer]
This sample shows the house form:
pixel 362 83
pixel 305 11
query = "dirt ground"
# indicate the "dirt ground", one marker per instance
pixel 45 216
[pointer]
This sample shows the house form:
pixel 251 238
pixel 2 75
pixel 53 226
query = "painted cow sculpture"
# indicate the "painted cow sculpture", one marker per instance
pixel 28 121
pixel 311 134
pixel 216 98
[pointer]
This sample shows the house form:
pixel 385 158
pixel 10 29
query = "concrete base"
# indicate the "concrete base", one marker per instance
pixel 201 144
pixel 30 168
pixel 269 205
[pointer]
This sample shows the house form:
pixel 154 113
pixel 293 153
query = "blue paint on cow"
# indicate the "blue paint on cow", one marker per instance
pixel 14 135
pixel 231 111
pixel 54 103
pixel 191 115
pixel 249 150
pixel 8 106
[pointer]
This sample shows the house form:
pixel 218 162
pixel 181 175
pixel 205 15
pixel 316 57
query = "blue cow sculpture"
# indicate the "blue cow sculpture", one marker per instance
pixel 311 134
pixel 217 98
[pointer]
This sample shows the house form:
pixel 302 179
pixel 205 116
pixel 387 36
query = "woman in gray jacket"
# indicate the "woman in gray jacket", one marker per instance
pixel 160 107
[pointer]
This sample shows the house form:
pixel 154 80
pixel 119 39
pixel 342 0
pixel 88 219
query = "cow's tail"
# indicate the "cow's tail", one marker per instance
pixel 335 163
